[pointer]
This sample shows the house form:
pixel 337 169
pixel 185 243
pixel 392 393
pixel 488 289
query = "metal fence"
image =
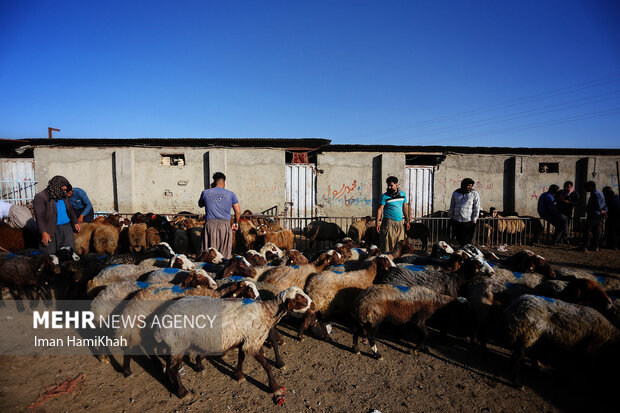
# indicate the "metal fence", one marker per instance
pixel 18 192
pixel 490 232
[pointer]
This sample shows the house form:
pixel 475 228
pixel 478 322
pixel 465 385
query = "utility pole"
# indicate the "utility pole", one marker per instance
pixel 49 132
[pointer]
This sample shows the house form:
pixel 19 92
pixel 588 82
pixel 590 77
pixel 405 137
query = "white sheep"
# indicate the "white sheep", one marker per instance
pixel 117 273
pixel 244 323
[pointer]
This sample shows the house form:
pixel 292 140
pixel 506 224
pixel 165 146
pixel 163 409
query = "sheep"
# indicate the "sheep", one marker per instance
pixel 28 276
pixel 104 239
pixel 137 237
pixel 211 255
pixel 357 230
pixel 418 230
pixel 147 300
pixel 605 280
pixel 399 305
pixel 244 324
pixel 323 231
pixel 334 290
pixel 236 266
pixel 532 319
pixel 245 236
pixel 117 273
pixel 527 261
pixel 82 238
pixel 295 257
pixel 283 239
pixel 433 277
pixel 441 248
pixel 255 258
pixel 153 237
pixel 271 251
pixel 285 277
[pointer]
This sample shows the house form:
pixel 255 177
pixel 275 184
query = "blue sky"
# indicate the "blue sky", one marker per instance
pixel 468 73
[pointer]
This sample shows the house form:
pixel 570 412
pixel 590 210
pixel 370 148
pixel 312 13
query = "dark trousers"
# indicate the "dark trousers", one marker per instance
pixel 560 223
pixel 63 237
pixel 593 225
pixel 612 232
pixel 463 231
pixel 88 217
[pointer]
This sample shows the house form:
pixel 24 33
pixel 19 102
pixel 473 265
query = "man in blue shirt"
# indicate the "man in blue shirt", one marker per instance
pixel 393 206
pixel 81 204
pixel 217 201
pixel 548 211
pixel 596 208
pixel 55 218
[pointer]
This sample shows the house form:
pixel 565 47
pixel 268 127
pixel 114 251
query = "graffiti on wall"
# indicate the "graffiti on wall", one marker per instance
pixel 347 194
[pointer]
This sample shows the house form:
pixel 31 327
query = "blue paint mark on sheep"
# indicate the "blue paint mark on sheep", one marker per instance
pixel 142 284
pixel 337 272
pixel 492 264
pixel 518 275
pixel 171 270
pixel 102 257
pixel 295 266
pixel 33 253
pixel 415 267
pixel 510 285
pixel 548 299
pixel 402 288
pixel 10 255
pixel 177 289
pixel 112 266
pixel 247 301
pixel 235 278
pixel 445 257
pixel 601 279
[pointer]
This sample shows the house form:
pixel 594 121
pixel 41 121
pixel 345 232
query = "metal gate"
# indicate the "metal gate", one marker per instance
pixel 300 194
pixel 17 184
pixel 419 189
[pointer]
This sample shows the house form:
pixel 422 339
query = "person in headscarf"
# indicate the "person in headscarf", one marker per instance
pixel 55 218
pixel 464 211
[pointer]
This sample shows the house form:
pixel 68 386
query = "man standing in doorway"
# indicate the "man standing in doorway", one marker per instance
pixel 217 201
pixel 464 211
pixel 596 209
pixel 566 199
pixel 392 207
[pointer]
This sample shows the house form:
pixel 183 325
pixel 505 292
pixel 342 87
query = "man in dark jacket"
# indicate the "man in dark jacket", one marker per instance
pixel 612 223
pixel 566 199
pixel 55 217
pixel 548 211
pixel 596 209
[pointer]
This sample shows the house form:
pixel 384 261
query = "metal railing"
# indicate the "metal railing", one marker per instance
pixel 490 232
pixel 18 192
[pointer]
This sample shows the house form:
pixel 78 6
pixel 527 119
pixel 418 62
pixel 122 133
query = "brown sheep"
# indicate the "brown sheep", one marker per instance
pixel 104 239
pixel 282 239
pixel 82 238
pixel 152 237
pixel 137 237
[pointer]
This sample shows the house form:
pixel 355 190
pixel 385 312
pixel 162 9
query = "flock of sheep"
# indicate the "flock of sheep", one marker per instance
pixel 520 302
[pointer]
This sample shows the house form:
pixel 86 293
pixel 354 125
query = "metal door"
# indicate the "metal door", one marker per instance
pixel 300 190
pixel 419 189
pixel 17 185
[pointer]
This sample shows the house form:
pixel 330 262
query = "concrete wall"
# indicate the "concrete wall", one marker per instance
pixel 86 168
pixel 143 184
pixel 345 187
pixel 487 171
pixel 347 184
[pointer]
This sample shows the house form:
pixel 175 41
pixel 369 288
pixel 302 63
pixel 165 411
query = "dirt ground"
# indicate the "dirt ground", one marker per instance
pixel 325 377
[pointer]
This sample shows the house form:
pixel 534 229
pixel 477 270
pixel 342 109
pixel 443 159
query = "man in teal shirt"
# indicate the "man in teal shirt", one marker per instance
pixel 392 208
